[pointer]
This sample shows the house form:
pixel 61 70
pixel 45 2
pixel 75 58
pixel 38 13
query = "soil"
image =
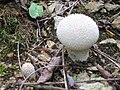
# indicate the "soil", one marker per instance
pixel 16 25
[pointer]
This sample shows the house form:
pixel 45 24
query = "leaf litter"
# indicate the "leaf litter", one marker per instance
pixel 46 54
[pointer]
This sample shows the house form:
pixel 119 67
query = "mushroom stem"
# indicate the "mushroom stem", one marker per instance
pixel 77 55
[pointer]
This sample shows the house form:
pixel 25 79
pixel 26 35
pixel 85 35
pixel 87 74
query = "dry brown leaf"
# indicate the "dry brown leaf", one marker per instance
pixel 47 72
pixel 50 43
pixel 10 55
pixel 116 23
pixel 94 6
pixel 44 56
pixel 48 50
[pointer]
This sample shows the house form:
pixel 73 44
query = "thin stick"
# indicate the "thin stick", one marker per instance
pixel 19 58
pixel 48 87
pixel 91 81
pixel 38 30
pixel 83 81
pixel 35 72
pixel 43 86
pixel 82 3
pixel 37 35
pixel 64 71
pixel 60 12
pixel 72 7
pixel 106 56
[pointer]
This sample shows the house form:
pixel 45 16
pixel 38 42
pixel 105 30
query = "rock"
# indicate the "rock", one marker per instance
pixel 92 85
pixel 111 7
pixel 116 23
pixel 95 86
pixel 94 6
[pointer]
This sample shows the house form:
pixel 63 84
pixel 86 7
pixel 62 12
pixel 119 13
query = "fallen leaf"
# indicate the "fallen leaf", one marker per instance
pixel 45 75
pixel 94 6
pixel 47 72
pixel 118 43
pixel 10 55
pixel 51 8
pixel 48 50
pixel 44 56
pixel 44 32
pixel 50 43
pixel 111 7
pixel 43 4
pixel 109 40
pixel 116 23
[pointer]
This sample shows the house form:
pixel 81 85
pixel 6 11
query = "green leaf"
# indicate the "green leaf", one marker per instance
pixel 75 77
pixel 2 70
pixel 35 10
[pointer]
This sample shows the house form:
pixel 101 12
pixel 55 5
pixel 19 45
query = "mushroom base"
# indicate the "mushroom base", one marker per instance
pixel 76 55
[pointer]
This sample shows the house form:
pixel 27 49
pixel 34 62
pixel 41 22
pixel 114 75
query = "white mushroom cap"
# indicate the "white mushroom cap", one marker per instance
pixel 78 33
pixel 27 69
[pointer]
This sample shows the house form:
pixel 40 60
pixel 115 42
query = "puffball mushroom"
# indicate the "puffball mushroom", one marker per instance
pixel 27 69
pixel 77 32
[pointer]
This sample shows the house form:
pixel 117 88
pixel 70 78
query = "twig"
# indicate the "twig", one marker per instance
pixel 35 72
pixel 83 81
pixel 72 7
pixel 59 12
pixel 47 83
pixel 64 71
pixel 45 87
pixel 38 31
pixel 91 81
pixel 19 57
pixel 66 8
pixel 42 86
pixel 33 58
pixel 82 3
pixel 106 56
pixel 37 35
pixel 48 87
pixel 47 73
pixel 37 45
pixel 114 16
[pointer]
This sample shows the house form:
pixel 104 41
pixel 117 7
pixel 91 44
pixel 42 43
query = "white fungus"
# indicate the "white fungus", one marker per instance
pixel 77 32
pixel 27 69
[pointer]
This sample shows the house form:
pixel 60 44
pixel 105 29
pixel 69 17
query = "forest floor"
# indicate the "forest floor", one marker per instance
pixel 25 39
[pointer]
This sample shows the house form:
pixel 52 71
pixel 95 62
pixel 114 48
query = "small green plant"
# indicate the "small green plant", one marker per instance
pixel 75 77
pixel 35 10
pixel 2 70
